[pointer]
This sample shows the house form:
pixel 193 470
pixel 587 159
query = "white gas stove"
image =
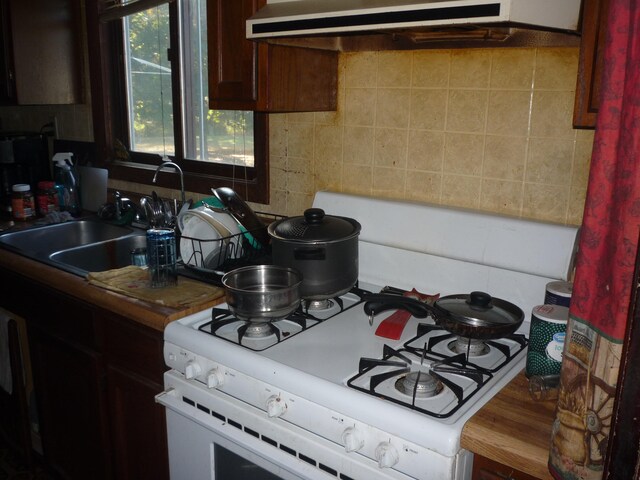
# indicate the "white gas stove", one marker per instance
pixel 320 395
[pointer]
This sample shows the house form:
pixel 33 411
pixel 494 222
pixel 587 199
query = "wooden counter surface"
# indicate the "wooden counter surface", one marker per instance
pixel 150 314
pixel 513 429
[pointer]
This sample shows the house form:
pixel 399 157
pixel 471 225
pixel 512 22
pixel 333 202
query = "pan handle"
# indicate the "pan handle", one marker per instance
pixel 377 303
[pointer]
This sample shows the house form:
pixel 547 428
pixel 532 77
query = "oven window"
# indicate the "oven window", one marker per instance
pixel 229 466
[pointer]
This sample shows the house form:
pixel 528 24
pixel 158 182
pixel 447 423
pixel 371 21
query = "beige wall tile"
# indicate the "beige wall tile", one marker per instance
pixel 394 69
pixel 425 151
pixel 358 145
pixel 550 161
pixel 300 177
pixel 388 182
pixel 461 191
pixel 501 196
pixel 467 111
pixel 393 107
pixel 423 186
pixel 470 68
pixel 431 68
pixel 552 114
pixel 300 140
pixel 357 179
pixel 505 157
pixel 328 143
pixel 390 148
pixel 463 153
pixel 428 109
pixel 556 68
pixel 545 202
pixel 360 106
pixel 512 68
pixel 508 113
pixel 361 69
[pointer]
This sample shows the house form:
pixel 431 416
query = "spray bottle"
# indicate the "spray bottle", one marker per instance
pixel 66 183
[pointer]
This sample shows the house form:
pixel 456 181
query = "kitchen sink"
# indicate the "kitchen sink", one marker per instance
pixel 79 246
pixel 101 256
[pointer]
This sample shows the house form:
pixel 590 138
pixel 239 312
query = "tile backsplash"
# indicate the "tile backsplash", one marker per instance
pixel 487 129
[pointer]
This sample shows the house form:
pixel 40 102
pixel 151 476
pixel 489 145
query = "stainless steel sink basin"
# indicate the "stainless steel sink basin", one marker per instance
pixel 79 246
pixel 101 256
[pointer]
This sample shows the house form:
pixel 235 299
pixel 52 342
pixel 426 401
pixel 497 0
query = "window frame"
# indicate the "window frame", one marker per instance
pixel 109 103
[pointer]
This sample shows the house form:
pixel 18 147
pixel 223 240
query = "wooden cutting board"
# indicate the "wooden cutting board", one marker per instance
pixel 133 281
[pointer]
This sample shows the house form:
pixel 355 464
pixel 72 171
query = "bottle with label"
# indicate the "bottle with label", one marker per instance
pixel 47 198
pixel 66 181
pixel 22 204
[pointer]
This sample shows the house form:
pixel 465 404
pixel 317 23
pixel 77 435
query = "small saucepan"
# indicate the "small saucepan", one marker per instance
pixel 262 293
pixel 477 315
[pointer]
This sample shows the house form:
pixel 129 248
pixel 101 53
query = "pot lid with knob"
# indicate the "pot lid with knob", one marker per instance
pixel 314 227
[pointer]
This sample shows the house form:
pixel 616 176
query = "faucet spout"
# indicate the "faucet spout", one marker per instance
pixel 169 163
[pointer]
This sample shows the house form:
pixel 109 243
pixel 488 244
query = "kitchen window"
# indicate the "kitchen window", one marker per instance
pixel 155 103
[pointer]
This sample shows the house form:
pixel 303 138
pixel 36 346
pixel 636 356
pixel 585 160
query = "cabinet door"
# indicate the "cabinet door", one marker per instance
pixel 233 60
pixel 135 365
pixel 69 387
pixel 138 427
pixel 7 84
pixel 594 21
pixel 486 469
pixel 47 54
pixel 248 75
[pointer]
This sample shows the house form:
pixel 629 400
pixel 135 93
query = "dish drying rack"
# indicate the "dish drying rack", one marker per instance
pixel 234 251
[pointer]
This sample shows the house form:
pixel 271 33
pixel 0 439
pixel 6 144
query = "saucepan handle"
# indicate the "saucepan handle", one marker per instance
pixel 377 303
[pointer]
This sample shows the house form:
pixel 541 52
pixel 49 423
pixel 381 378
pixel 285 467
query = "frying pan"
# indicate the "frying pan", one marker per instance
pixel 477 315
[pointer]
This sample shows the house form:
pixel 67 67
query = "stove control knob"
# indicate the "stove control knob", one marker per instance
pixel 192 369
pixel 387 455
pixel 275 406
pixel 352 439
pixel 215 378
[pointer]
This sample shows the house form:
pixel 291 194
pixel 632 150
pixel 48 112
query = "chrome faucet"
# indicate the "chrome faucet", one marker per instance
pixel 169 163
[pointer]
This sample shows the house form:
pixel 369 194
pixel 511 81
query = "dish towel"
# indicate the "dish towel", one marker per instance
pixel 6 382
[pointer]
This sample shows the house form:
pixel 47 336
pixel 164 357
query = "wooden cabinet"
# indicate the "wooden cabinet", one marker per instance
pixel 486 469
pixel 247 75
pixel 96 375
pixel 41 52
pixel 587 102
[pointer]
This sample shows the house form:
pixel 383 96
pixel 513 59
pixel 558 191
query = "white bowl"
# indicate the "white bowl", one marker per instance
pixel 209 232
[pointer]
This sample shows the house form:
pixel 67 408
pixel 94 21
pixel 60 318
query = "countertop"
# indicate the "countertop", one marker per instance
pixel 150 314
pixel 513 429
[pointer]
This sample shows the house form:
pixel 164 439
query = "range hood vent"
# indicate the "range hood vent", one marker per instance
pixel 311 18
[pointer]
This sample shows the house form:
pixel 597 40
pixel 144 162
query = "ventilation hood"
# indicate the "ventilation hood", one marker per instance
pixel 312 18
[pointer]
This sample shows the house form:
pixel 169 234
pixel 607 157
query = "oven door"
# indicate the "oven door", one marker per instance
pixel 214 436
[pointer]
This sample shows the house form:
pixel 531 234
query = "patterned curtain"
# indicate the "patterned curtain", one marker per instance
pixel 604 272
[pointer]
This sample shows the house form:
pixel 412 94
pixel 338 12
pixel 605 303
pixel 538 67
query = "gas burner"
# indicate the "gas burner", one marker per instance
pixel 317 305
pixel 420 384
pixel 430 385
pixel 259 336
pixel 469 346
pixel 487 355
pixel 259 330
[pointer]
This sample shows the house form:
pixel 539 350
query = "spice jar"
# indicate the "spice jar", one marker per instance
pixel 22 204
pixel 47 198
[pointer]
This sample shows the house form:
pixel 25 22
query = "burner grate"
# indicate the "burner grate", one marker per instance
pixel 462 381
pixel 508 347
pixel 259 336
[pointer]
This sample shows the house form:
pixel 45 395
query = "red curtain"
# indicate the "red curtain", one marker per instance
pixel 605 262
